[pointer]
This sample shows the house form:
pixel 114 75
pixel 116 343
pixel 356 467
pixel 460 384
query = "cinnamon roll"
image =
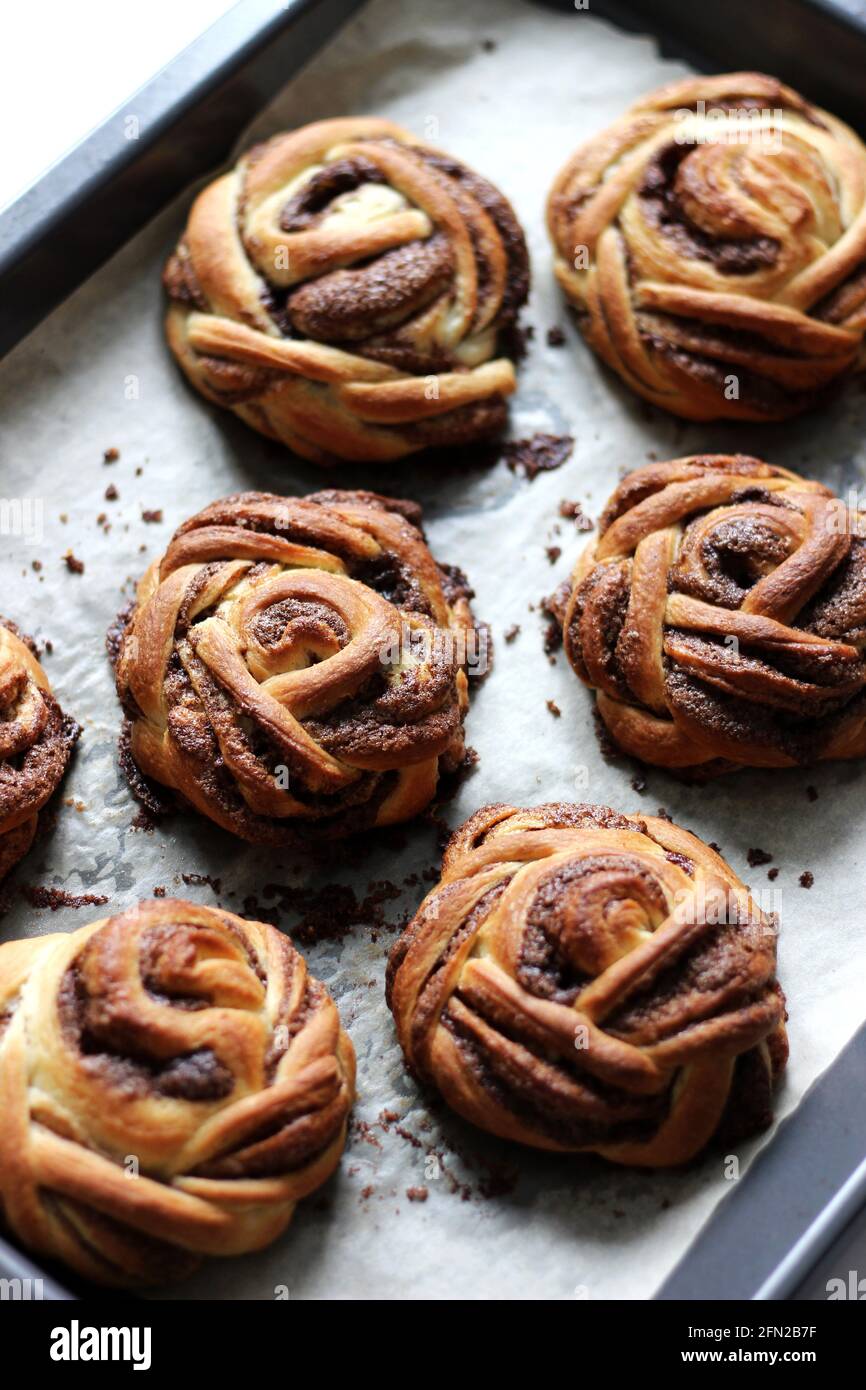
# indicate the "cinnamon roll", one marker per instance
pixel 296 667
pixel 172 1083
pixel 580 980
pixel 346 290
pixel 36 743
pixel 720 616
pixel 713 243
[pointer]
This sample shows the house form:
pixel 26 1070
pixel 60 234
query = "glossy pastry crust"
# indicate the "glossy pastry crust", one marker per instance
pixel 36 743
pixel 721 617
pixel 713 243
pixel 172 1082
pixel 295 667
pixel 345 290
pixel 580 980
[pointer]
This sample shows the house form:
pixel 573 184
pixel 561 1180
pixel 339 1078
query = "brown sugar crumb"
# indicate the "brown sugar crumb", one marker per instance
pixel 55 898
pixel 553 553
pixel 215 883
pixel 159 891
pixel 540 454
pixel 663 815
pixel 36 565
pixel 513 633
pixel 73 564
pixel 555 336
pixel 111 455
pixel 111 494
pixel 807 878
pixel 153 515
pixel 772 875
pixel 553 608
pixel 638 783
pixel 417 1194
pixel 756 857
pixel 812 793
pixel 573 511
pixel 331 913
pixel 554 709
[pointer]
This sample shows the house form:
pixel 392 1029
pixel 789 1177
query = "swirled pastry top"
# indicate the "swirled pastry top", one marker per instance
pixel 721 617
pixel 582 980
pixel 344 290
pixel 298 663
pixel 172 1082
pixel 713 241
pixel 36 743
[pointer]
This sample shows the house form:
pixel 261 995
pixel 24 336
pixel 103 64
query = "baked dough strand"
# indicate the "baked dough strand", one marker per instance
pixel 580 980
pixel 713 243
pixel 720 617
pixel 36 743
pixel 296 667
pixel 172 1082
pixel 346 290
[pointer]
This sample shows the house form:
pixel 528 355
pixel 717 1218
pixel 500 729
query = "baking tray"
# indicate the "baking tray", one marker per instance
pixel 801 1192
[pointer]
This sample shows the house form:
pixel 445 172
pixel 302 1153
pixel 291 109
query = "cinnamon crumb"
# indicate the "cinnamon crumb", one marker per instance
pixel 55 898
pixel 756 857
pixel 540 454
pixel 573 511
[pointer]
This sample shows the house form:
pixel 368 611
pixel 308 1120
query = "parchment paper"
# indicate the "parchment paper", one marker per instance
pixel 498 1222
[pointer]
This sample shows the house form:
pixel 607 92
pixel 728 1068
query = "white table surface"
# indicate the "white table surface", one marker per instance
pixel 65 67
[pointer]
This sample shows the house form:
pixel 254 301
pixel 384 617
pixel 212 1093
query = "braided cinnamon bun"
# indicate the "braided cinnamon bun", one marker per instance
pixel 295 667
pixel 36 743
pixel 345 290
pixel 720 617
pixel 580 980
pixel 172 1083
pixel 713 242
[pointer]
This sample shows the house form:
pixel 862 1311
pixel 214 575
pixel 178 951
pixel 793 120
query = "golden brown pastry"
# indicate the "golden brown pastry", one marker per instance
pixel 720 616
pixel 713 243
pixel 172 1083
pixel 345 289
pixel 36 743
pixel 581 980
pixel 295 666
